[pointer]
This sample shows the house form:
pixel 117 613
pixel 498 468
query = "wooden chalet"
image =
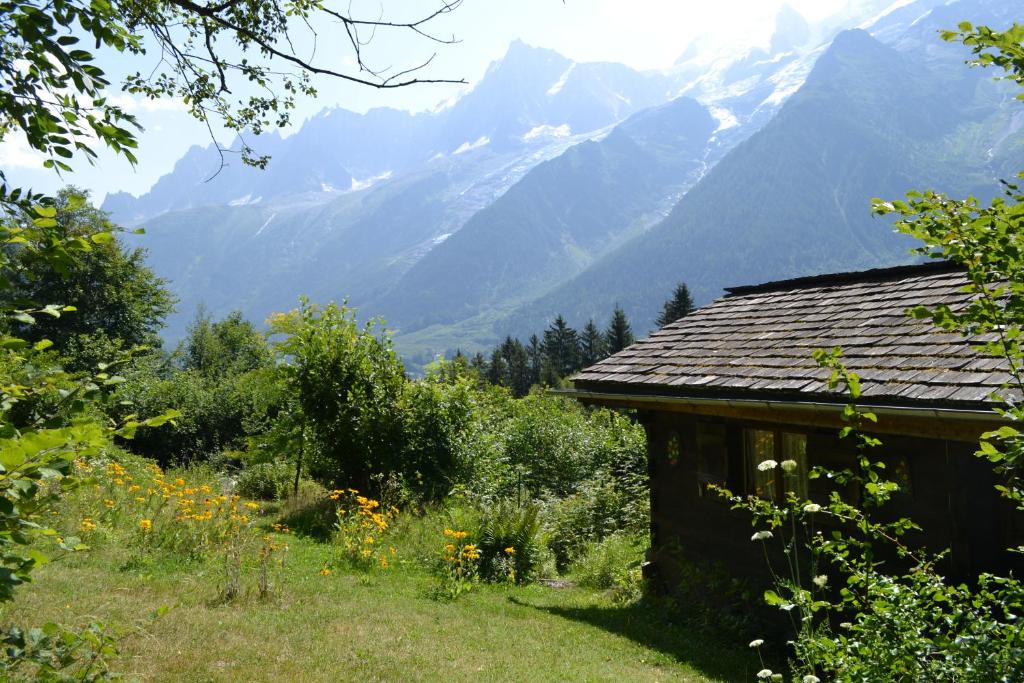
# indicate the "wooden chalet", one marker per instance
pixel 734 384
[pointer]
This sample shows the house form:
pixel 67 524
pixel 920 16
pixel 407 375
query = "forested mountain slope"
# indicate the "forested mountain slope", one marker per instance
pixel 558 218
pixel 794 198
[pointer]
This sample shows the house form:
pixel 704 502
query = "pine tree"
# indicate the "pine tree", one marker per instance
pixel 679 306
pixel 619 334
pixel 517 366
pixel 497 370
pixel 535 358
pixel 479 367
pixel 561 348
pixel 592 346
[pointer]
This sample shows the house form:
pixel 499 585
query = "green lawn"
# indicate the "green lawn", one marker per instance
pixel 379 626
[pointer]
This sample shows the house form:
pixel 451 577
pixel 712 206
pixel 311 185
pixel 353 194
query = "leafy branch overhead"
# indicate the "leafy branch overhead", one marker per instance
pixel 53 92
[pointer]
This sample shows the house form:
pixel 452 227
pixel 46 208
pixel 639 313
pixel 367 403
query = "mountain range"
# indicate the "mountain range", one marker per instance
pixel 555 187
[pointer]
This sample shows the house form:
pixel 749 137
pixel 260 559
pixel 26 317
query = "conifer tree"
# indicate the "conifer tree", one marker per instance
pixel 679 306
pixel 535 358
pixel 619 334
pixel 592 346
pixel 517 366
pixel 497 371
pixel 561 347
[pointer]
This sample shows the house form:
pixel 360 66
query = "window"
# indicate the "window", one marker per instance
pixel 712 457
pixel 794 447
pixel 760 445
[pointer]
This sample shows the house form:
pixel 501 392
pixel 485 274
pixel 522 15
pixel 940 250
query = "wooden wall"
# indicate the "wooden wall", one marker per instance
pixel 951 496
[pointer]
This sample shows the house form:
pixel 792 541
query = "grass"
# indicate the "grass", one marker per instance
pixel 347 625
pixel 353 626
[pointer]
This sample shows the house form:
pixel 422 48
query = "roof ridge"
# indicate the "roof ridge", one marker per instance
pixel 891 273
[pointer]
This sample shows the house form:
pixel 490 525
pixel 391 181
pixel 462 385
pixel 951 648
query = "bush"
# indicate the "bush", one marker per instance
pixel 604 506
pixel 609 563
pixel 508 537
pixel 266 481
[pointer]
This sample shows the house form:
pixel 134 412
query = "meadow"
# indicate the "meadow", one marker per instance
pixel 161 573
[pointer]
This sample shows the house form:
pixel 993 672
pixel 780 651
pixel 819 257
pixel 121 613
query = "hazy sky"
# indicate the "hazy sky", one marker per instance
pixel 644 34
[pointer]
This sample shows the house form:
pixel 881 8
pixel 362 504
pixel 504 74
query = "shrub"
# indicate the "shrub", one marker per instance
pixel 611 563
pixel 509 538
pixel 266 481
pixel 604 505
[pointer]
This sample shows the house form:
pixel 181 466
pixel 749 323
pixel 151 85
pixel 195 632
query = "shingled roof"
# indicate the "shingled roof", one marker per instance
pixel 756 342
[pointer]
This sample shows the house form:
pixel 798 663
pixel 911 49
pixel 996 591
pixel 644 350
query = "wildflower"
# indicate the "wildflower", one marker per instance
pixel 87 525
pixel 366 552
pixel 146 525
pixel 369 540
pixel 510 550
pixel 450 547
pixel 392 551
pixel 133 488
pixel 820 581
pixel 179 482
pixel 119 481
pixel 140 499
pixel 810 678
pixel 109 503
pixel 325 571
pixel 757 643
pixel 764 674
pixel 252 506
pixel 812 507
pixel 788 465
pixel 449 533
pixel 384 563
pixel 761 536
pixel 764 467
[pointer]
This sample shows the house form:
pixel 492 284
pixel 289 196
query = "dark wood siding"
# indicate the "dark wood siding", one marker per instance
pixel 951 496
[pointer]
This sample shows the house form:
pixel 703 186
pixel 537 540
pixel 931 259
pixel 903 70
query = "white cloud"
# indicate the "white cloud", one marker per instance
pixel 16 153
pixel 133 104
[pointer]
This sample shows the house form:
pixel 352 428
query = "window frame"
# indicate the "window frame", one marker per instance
pixel 779 486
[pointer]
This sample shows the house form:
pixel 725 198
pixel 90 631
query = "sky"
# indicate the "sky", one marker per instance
pixel 643 34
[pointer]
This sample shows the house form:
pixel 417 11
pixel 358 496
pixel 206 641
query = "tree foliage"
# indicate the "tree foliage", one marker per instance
pixel 347 382
pixel 679 306
pixel 118 302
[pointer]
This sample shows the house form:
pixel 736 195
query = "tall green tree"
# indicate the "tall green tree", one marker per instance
pixel 534 358
pixel 592 345
pixel 517 366
pixel 561 348
pixel 347 382
pixel 116 299
pixel 225 347
pixel 679 306
pixel 619 334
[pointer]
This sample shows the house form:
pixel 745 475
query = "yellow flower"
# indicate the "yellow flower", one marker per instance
pixel 109 503
pixel 179 482
pixel 366 552
pixel 510 550
pixel 252 506
pixel 133 488
pixel 384 563
pixel 369 540
pixel 140 499
pixel 325 571
pixel 146 525
pixel 450 548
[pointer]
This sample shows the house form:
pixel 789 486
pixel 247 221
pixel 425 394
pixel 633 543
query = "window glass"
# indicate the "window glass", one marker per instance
pixel 712 456
pixel 794 447
pixel 759 445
